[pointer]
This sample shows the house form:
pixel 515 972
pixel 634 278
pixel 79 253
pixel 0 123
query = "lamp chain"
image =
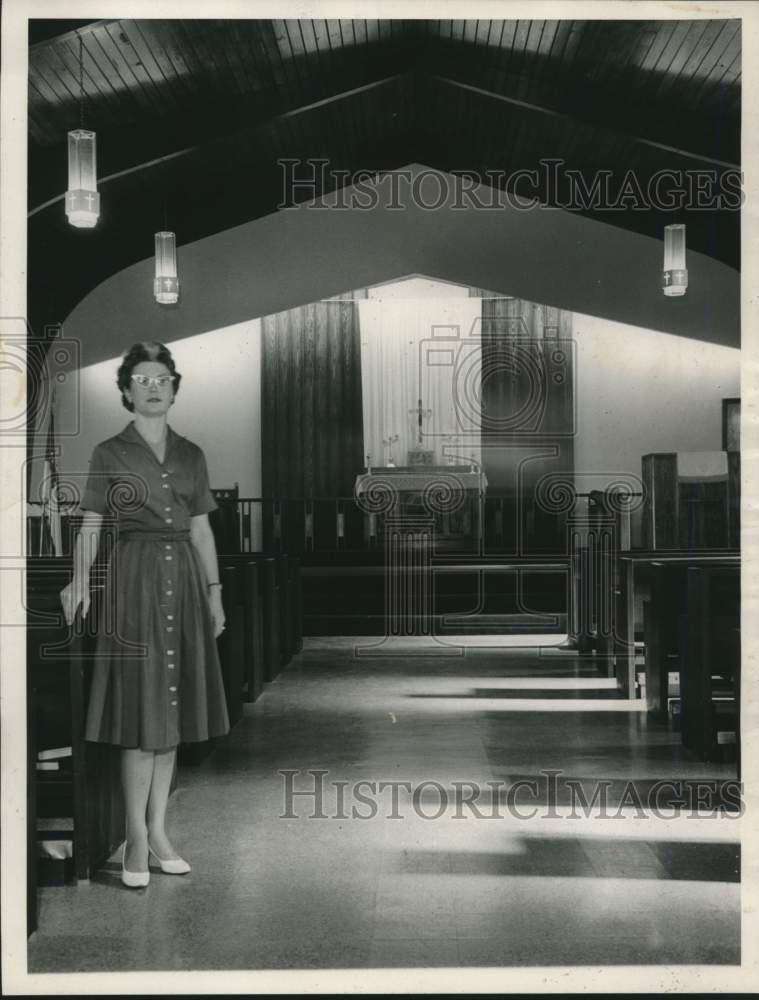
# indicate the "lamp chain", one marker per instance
pixel 81 83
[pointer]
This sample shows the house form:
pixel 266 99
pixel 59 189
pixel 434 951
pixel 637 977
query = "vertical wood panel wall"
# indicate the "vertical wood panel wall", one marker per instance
pixel 311 407
pixel 517 335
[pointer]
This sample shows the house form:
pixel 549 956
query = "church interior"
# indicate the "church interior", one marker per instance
pixel 471 417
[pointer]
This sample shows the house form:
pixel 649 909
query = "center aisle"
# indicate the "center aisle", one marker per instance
pixel 332 892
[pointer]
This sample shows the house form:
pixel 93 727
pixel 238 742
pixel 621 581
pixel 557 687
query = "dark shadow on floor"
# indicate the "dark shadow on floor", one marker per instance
pixel 600 694
pixel 597 857
pixel 688 795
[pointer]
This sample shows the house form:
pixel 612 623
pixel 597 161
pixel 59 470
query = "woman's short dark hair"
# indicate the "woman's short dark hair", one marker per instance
pixel 146 350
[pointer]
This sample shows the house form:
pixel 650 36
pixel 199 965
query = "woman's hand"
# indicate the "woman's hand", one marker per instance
pixel 217 611
pixel 72 596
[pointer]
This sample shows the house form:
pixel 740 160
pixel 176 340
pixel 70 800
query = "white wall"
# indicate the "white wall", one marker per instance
pixel 418 288
pixel 218 405
pixel 641 391
pixel 638 391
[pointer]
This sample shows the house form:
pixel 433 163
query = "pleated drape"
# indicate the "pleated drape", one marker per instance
pixel 421 349
pixel 311 409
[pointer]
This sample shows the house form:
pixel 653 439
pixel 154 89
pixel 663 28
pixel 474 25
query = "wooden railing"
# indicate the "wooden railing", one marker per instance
pixel 304 525
pixel 330 524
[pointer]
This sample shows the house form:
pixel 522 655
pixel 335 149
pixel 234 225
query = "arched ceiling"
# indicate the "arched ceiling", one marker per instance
pixel 311 252
pixel 192 117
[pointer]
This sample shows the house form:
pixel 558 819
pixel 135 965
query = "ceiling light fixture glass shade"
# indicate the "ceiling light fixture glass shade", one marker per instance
pixel 82 198
pixel 166 283
pixel 675 276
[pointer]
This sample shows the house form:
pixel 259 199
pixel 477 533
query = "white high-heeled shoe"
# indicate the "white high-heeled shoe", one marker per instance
pixel 173 866
pixel 134 880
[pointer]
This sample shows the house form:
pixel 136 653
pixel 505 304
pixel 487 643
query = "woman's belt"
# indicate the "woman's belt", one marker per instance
pixel 134 534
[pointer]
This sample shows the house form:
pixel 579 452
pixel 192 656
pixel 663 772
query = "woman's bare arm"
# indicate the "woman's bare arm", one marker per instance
pixel 85 550
pixel 202 538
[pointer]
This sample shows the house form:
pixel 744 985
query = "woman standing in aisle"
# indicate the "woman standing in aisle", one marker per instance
pixel 157 679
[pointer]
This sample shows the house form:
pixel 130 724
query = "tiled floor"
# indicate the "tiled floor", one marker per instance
pixel 479 885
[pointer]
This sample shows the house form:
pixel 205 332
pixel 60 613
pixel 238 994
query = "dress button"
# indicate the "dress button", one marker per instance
pixel 164 475
pixel 167 509
pixel 172 689
pixel 165 485
pixel 168 558
pixel 169 593
pixel 169 520
pixel 169 652
pixel 167 547
pixel 171 666
pixel 170 617
pixel 169 628
pixel 174 703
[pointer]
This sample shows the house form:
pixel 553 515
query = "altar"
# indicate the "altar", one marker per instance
pixel 449 498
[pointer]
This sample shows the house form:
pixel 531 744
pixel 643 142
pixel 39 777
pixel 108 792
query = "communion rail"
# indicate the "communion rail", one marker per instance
pixel 301 526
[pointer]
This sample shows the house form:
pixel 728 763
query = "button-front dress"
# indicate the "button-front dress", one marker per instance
pixel 157 679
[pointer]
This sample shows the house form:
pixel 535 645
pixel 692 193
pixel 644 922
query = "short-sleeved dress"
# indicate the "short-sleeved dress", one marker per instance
pixel 157 679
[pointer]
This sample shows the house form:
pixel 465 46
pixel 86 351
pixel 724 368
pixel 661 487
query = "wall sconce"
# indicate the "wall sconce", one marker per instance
pixel 82 198
pixel 675 275
pixel 166 283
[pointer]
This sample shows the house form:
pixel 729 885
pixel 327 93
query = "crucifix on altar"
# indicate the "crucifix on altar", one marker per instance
pixel 419 455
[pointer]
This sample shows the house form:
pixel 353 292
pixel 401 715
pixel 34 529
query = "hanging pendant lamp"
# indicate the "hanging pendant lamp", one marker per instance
pixel 82 198
pixel 675 273
pixel 166 282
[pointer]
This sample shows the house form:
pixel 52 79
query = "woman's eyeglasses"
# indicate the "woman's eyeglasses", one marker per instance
pixel 159 381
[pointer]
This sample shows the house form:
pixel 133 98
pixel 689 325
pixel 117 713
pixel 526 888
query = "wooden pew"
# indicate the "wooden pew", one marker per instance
pixel 270 598
pixel 240 645
pixel 86 788
pixel 711 647
pixel 636 567
pixel 263 609
pixel 596 540
pixel 660 635
pixel 296 598
pixel 285 610
pixel 254 639
pixel 269 612
pixel 231 642
pixel 692 625
pixel 291 607
pixel 281 604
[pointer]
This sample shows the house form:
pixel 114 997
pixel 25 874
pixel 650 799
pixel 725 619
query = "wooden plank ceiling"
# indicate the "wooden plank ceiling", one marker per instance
pixel 192 115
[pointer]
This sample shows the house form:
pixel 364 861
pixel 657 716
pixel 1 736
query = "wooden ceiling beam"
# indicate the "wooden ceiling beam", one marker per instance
pixel 584 118
pixel 160 141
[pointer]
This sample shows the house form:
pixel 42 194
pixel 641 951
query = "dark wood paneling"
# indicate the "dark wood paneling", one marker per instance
pixel 160 64
pixel 521 342
pixel 703 515
pixel 660 508
pixel 311 401
pixel 734 499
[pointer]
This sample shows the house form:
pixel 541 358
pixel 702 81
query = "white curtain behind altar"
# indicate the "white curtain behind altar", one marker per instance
pixel 399 366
